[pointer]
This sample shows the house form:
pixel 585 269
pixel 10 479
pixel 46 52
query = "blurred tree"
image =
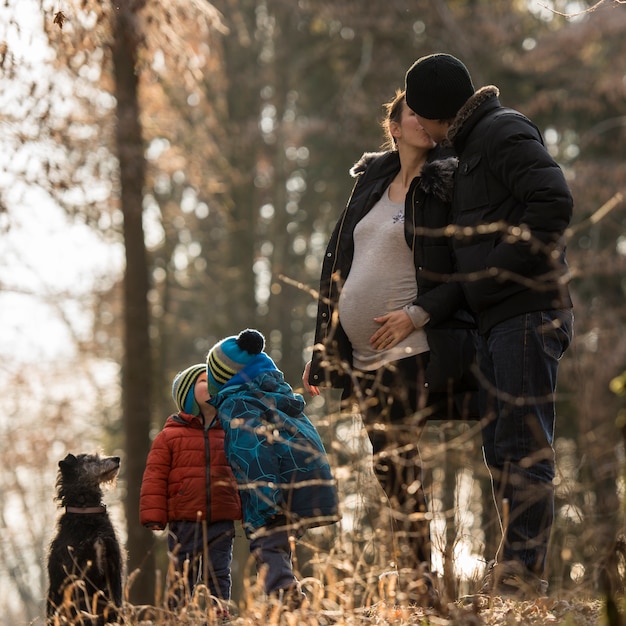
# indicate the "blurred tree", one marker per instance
pixel 137 364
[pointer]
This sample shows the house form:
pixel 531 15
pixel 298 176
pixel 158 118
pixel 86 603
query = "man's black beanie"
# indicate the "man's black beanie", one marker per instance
pixel 437 86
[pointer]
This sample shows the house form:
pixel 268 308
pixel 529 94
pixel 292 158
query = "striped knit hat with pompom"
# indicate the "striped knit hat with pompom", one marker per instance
pixel 183 387
pixel 230 356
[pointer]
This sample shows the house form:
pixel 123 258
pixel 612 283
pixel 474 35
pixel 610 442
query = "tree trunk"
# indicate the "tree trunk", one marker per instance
pixel 136 373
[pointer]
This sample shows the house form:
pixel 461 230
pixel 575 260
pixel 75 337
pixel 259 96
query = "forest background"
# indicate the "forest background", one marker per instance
pixel 169 175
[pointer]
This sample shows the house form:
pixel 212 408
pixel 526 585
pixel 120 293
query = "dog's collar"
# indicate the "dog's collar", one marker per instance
pixel 101 508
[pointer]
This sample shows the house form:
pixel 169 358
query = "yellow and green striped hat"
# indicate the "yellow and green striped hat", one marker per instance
pixel 183 386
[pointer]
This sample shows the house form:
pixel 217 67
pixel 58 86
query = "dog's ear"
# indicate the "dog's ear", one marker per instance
pixel 68 461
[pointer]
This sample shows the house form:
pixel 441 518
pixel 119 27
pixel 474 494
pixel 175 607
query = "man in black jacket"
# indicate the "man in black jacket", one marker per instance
pixel 510 209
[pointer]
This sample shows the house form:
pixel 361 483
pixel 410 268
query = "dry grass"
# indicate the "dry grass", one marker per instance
pixel 320 611
pixel 344 591
pixel 329 603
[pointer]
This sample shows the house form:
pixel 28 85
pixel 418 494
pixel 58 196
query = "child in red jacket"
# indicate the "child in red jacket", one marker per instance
pixel 188 482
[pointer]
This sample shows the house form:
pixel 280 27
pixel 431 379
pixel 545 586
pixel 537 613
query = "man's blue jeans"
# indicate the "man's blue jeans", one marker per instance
pixel 518 361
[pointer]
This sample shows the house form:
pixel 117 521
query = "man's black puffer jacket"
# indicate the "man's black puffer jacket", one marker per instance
pixel 508 184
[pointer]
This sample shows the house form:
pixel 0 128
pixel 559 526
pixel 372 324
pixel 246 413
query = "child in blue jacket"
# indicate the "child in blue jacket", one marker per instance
pixel 275 452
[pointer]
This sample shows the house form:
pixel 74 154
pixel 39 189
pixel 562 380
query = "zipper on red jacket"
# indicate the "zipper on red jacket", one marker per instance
pixel 207 458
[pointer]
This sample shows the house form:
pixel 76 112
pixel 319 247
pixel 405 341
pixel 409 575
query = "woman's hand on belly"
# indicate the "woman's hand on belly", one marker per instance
pixel 394 327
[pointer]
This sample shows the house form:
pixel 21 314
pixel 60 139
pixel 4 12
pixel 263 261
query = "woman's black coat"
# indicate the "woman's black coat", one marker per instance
pixel 427 213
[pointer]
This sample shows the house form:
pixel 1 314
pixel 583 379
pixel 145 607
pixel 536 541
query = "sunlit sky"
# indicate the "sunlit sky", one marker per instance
pixel 46 260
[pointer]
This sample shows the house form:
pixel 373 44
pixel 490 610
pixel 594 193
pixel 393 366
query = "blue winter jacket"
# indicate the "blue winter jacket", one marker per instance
pixel 274 450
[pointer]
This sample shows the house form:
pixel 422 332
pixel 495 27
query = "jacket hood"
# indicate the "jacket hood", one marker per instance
pixel 184 419
pixel 437 176
pixel 378 163
pixel 270 387
pixel 479 98
pixel 257 365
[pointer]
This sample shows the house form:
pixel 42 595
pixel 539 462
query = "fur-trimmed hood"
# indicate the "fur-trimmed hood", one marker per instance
pixel 366 159
pixel 469 108
pixel 437 177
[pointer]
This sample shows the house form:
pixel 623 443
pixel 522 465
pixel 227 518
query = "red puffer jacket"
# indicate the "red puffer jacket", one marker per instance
pixel 187 476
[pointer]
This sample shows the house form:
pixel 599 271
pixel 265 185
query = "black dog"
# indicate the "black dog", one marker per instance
pixel 85 560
